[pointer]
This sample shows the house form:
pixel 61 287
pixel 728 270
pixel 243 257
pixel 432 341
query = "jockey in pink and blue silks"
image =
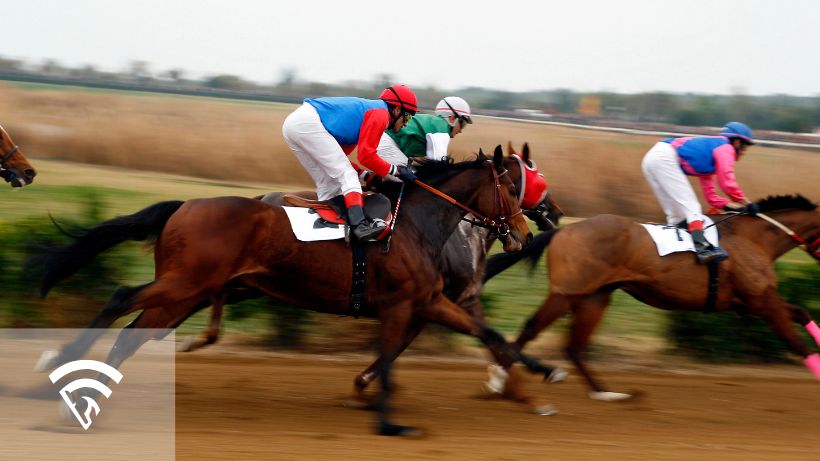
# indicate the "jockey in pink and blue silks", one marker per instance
pixel 323 131
pixel 668 163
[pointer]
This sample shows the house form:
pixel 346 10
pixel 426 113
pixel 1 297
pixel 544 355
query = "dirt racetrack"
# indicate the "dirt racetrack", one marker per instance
pixel 236 406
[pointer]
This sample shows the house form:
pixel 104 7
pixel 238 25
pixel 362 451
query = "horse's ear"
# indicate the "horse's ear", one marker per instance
pixel 481 155
pixel 526 154
pixel 498 158
pixel 510 148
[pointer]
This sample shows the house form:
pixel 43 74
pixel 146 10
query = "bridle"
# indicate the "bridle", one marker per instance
pixel 499 225
pixel 8 175
pixel 813 248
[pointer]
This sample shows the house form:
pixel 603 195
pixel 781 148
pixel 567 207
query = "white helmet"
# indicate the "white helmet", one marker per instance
pixel 453 105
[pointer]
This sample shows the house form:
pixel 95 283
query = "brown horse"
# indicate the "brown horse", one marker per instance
pixel 463 273
pixel 14 166
pixel 214 251
pixel 588 260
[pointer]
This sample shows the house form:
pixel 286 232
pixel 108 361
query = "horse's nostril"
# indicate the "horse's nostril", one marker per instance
pixel 30 173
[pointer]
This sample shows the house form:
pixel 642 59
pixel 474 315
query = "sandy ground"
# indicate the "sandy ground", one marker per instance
pixel 233 405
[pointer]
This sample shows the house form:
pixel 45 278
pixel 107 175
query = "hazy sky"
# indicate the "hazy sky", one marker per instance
pixel 759 46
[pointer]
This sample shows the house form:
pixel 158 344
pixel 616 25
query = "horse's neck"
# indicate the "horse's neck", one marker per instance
pixel 776 240
pixel 433 218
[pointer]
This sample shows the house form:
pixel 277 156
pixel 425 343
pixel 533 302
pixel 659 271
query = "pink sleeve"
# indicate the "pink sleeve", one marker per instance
pixel 725 172
pixel 374 123
pixel 707 183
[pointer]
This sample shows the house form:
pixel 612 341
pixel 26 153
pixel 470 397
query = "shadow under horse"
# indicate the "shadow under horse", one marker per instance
pixel 589 260
pixel 15 168
pixel 218 250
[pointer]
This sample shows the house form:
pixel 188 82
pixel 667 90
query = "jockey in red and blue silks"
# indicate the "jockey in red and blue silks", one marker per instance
pixel 669 161
pixel 323 131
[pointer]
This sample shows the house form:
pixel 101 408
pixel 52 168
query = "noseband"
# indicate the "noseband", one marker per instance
pixel 8 175
pixel 499 225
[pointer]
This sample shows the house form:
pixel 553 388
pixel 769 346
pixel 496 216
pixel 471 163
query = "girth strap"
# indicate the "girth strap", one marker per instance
pixel 359 277
pixel 714 283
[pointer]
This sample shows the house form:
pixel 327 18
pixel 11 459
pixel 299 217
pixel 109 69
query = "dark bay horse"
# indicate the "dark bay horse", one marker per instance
pixel 463 273
pixel 588 260
pixel 463 260
pixel 14 166
pixel 214 251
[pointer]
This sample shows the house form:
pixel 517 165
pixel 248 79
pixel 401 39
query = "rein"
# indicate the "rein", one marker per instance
pixel 501 227
pixel 7 175
pixel 813 248
pixel 8 156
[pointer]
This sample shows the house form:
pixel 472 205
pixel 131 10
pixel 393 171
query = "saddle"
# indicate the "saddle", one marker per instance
pixel 333 212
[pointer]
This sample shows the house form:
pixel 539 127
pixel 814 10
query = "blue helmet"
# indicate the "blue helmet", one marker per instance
pixel 738 130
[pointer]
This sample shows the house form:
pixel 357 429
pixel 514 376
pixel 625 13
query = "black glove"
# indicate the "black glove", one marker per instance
pixel 404 173
pixel 751 209
pixel 734 209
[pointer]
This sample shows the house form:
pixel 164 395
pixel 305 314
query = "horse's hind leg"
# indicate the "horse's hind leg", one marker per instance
pixel 586 315
pixel 551 310
pixel 118 306
pixel 211 334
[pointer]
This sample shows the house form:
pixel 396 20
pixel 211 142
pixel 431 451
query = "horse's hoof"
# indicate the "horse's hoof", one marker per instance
pixel 47 361
pixel 491 390
pixel 609 396
pixel 187 344
pixel 558 375
pixel 394 430
pixel 545 410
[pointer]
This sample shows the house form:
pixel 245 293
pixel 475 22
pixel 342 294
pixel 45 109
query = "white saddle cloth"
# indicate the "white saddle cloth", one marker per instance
pixel 672 240
pixel 302 221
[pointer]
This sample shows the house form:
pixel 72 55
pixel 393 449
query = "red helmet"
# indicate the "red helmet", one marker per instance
pixel 400 95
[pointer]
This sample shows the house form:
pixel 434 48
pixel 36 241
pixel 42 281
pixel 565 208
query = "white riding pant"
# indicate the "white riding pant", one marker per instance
pixel 319 153
pixel 674 192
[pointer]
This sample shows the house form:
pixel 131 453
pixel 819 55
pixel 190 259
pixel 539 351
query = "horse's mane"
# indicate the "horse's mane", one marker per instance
pixel 785 202
pixel 430 170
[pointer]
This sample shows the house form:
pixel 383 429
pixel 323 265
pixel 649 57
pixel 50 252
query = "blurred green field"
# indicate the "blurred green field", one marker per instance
pixel 512 297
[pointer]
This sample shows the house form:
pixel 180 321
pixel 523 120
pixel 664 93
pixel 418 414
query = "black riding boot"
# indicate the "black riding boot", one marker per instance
pixel 363 229
pixel 704 250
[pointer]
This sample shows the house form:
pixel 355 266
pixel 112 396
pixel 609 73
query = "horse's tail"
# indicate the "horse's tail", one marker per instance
pixel 503 261
pixel 59 263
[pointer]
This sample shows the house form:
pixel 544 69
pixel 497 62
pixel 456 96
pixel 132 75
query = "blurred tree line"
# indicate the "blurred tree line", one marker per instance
pixel 719 337
pixel 772 112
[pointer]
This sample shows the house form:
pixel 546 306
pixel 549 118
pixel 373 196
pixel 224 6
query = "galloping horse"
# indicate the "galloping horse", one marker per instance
pixel 214 251
pixel 463 260
pixel 588 260
pixel 14 166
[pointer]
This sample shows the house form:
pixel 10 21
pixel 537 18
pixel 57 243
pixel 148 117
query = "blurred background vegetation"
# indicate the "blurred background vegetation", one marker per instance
pixel 102 153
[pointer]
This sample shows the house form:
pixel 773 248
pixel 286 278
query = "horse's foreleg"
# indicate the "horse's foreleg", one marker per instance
pixel 211 334
pixel 367 376
pixel 446 313
pixel 395 321
pixel 780 315
pixel 551 309
pixel 802 317
pixel 586 316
